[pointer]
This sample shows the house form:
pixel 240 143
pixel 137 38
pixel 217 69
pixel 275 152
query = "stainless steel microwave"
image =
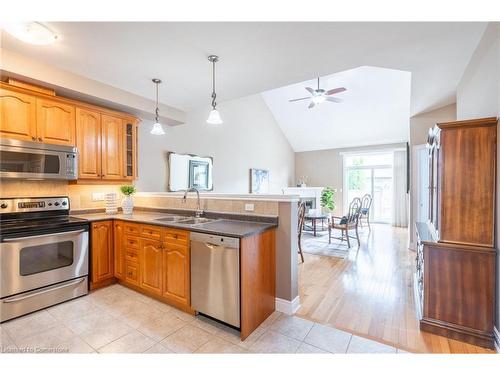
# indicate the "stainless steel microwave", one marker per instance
pixel 37 161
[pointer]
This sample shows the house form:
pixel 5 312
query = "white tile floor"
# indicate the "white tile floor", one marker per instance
pixel 119 320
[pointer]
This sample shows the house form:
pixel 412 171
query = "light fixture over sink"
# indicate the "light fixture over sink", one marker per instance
pixel 31 32
pixel 214 116
pixel 157 127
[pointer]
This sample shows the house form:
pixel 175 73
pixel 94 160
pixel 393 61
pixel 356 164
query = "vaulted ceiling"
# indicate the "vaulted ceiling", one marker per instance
pixel 375 109
pixel 256 57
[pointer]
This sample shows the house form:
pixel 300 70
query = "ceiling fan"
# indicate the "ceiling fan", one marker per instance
pixel 319 96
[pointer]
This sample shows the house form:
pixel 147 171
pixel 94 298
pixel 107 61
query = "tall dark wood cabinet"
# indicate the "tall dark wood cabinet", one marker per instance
pixel 455 264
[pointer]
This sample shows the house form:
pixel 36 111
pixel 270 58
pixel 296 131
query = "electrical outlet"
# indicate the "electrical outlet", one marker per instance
pixel 96 197
pixel 249 207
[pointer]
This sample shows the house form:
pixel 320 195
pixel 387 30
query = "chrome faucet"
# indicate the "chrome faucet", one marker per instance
pixel 199 211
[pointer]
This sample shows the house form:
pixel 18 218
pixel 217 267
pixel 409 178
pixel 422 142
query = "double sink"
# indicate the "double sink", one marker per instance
pixel 185 220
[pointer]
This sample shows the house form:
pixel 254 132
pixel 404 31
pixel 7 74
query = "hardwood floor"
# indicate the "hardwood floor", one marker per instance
pixel 370 293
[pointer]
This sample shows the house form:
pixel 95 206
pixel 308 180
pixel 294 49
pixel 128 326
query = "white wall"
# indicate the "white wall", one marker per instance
pixel 325 168
pixel 420 124
pixel 77 87
pixel 478 95
pixel 248 138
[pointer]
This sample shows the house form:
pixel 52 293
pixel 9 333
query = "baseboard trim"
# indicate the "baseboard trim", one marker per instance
pixel 286 306
pixel 457 332
pixel 496 335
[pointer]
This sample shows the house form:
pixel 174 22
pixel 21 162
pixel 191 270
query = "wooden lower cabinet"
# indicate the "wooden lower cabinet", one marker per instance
pixel 119 248
pixel 102 255
pixel 132 273
pixel 455 288
pixel 156 261
pixel 258 280
pixel 151 265
pixel 176 275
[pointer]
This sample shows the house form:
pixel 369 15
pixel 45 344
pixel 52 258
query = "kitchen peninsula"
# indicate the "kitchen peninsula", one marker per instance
pixel 150 253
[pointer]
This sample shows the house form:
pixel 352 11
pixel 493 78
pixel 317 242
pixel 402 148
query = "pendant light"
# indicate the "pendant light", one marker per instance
pixel 157 128
pixel 214 116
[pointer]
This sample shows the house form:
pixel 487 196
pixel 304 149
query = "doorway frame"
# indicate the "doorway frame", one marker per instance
pixel 414 192
pixel 345 199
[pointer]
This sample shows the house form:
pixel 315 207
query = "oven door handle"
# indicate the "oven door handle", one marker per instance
pixel 42 236
pixel 16 299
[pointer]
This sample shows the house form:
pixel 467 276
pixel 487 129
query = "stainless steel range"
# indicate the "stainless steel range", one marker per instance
pixel 43 255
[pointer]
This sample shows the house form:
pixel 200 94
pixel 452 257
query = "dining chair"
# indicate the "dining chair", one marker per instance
pixel 366 203
pixel 346 223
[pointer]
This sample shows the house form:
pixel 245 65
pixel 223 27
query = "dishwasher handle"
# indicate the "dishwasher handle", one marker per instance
pixel 215 240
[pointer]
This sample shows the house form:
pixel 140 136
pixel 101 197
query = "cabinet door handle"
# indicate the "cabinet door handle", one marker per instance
pixel 33 138
pixel 40 139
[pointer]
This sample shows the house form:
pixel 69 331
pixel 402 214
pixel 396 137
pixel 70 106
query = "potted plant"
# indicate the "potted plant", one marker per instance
pixel 327 199
pixel 127 202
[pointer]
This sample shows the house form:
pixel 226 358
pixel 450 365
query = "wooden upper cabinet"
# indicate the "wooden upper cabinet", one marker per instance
pixel 106 140
pixel 55 122
pixel 88 142
pixel 112 148
pixel 102 251
pixel 130 150
pixel 151 265
pixel 465 186
pixel 17 115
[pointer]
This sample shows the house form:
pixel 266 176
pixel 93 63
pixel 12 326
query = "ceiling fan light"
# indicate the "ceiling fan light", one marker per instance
pixel 318 99
pixel 157 129
pixel 31 32
pixel 214 118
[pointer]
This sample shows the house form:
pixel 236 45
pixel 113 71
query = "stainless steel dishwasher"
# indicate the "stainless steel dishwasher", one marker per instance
pixel 215 277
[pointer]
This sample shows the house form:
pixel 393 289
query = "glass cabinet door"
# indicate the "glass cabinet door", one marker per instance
pixel 130 151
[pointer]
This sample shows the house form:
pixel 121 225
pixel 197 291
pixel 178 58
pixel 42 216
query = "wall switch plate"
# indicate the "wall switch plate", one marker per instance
pixel 249 206
pixel 96 197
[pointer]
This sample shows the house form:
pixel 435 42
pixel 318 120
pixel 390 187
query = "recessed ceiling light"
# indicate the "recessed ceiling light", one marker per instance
pixel 31 32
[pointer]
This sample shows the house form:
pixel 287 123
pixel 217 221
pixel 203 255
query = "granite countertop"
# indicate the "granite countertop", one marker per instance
pixel 223 227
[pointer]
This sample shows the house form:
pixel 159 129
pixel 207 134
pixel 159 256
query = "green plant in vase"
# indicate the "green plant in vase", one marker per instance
pixel 327 199
pixel 127 201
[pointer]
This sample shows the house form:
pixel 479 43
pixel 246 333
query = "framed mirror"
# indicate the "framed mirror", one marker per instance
pixel 189 171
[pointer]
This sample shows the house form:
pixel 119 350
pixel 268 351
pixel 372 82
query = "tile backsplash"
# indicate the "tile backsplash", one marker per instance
pixel 81 197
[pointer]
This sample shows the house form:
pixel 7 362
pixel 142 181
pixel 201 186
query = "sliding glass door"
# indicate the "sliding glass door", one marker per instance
pixel 370 174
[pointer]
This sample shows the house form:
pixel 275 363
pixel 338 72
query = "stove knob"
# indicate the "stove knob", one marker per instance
pixel 56 204
pixel 64 203
pixel 3 205
pixel 50 204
